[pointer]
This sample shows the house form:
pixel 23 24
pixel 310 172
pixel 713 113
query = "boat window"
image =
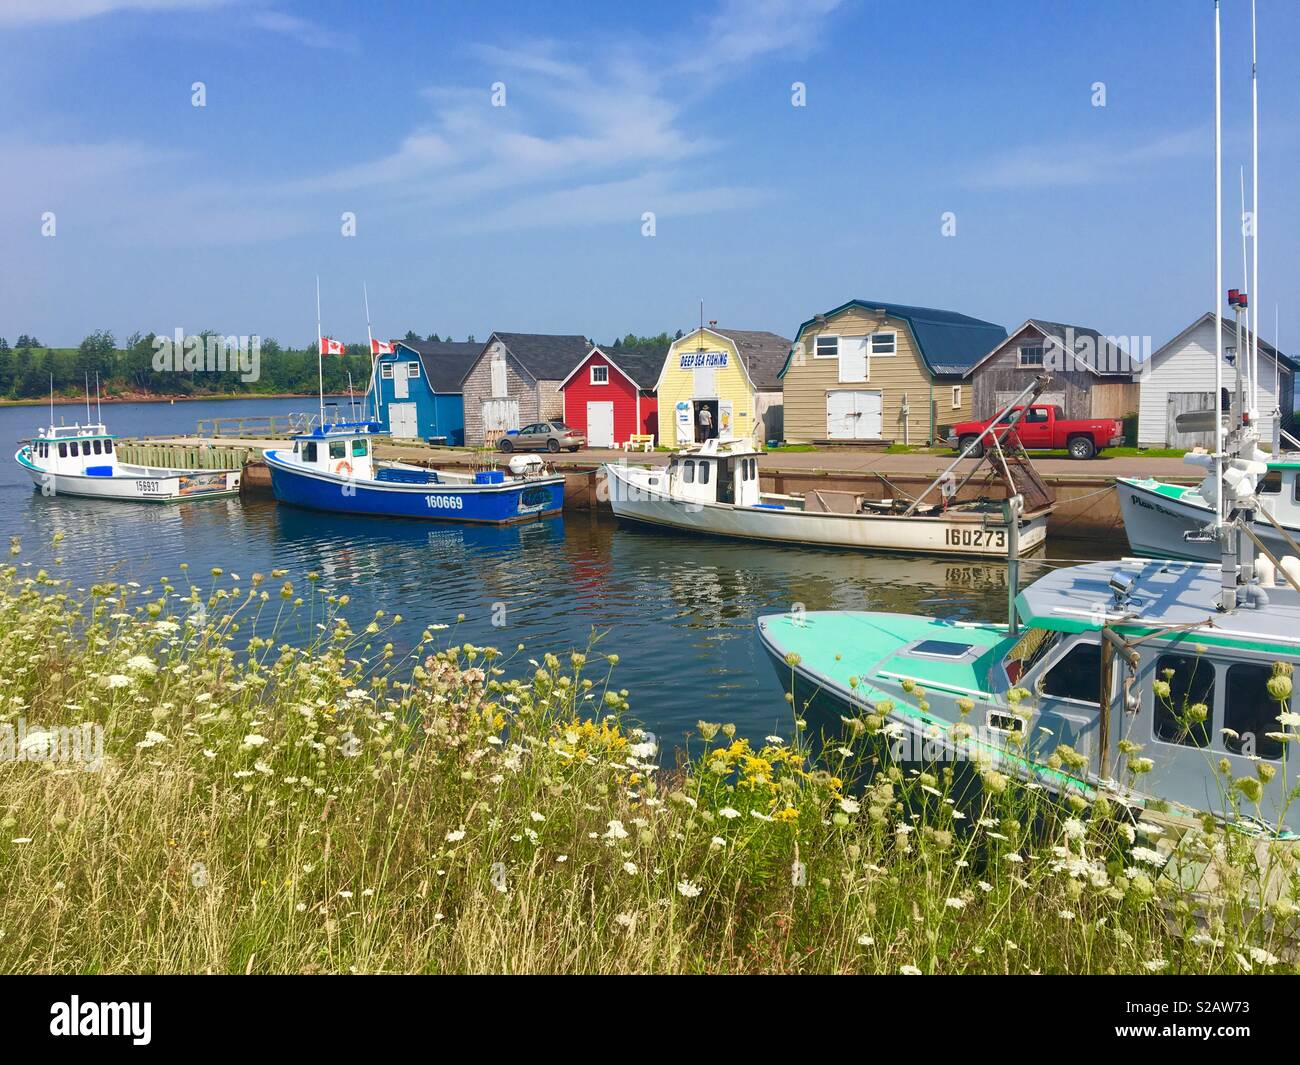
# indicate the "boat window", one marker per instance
pixel 1250 711
pixel 73 449
pixel 309 451
pixel 941 649
pixel 338 449
pixel 108 447
pixel 1191 692
pixel 688 471
pixel 704 472
pixel 1077 675
pixel 360 449
pixel 1026 654
pixel 1271 484
pixel 99 448
pixel 63 450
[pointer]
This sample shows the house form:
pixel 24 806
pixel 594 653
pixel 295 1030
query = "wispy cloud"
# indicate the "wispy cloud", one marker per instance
pixel 34 12
pixel 1079 163
pixel 302 30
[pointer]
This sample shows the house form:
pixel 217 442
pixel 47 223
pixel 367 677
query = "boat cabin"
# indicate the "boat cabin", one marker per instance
pixel 1279 492
pixel 345 449
pixel 717 472
pixel 78 450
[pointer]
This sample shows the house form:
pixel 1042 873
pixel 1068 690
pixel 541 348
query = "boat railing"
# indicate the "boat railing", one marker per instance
pixel 257 427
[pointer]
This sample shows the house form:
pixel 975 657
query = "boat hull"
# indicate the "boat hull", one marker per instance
pixel 487 504
pixel 945 535
pixel 135 484
pixel 1157 515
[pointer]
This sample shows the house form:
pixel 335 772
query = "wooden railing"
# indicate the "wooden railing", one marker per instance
pixel 185 456
pixel 257 427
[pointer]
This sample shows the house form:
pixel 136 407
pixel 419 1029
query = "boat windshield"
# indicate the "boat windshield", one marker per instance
pixel 1031 649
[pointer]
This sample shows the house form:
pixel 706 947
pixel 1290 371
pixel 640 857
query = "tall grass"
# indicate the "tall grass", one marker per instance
pixel 329 806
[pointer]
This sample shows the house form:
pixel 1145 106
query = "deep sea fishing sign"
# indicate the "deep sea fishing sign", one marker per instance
pixel 693 360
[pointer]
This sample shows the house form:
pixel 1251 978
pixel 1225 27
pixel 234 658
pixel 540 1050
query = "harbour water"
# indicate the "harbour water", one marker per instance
pixel 679 611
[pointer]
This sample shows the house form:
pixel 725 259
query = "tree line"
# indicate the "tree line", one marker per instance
pixel 28 367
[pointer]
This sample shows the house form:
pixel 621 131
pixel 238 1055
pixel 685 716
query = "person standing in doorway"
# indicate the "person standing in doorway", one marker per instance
pixel 706 424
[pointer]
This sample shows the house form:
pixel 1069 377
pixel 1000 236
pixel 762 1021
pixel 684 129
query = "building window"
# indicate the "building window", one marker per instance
pixel 1250 712
pixel 884 343
pixel 1191 685
pixel 827 348
pixel 1031 356
pixel 956 396
pixel 413 369
pixel 386 370
pixel 600 375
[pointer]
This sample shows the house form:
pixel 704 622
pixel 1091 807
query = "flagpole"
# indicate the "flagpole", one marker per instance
pixel 320 365
pixel 374 384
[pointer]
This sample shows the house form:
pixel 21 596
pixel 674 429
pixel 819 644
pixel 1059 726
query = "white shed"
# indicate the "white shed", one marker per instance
pixel 1179 377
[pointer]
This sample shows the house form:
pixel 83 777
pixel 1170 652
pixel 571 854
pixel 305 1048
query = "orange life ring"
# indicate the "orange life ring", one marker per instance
pixel 343 466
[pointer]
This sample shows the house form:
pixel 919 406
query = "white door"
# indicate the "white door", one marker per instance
pixel 600 424
pixel 499 377
pixel 401 381
pixel 853 415
pixel 705 385
pixel 402 420
pixel 853 359
pixel 500 415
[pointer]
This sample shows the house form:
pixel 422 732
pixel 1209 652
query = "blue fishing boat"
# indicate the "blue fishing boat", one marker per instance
pixel 333 468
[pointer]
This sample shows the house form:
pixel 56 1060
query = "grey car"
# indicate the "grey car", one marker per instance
pixel 553 435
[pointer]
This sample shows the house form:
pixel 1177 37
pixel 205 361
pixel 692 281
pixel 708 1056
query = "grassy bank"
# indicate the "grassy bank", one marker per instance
pixel 334 807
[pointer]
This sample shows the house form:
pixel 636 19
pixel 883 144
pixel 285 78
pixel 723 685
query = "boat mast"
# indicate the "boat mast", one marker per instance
pixel 320 365
pixel 87 372
pixel 1218 279
pixel 370 338
pixel 99 409
pixel 1253 314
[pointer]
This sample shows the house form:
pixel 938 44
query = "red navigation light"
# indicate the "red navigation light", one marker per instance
pixel 1233 296
pixel 1242 300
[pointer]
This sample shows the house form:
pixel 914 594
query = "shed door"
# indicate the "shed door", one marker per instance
pixel 402 420
pixel 600 424
pixel 853 415
pixel 499 377
pixel 1183 403
pixel 706 386
pixel 853 359
pixel 401 381
pixel 500 415
pixel 1047 399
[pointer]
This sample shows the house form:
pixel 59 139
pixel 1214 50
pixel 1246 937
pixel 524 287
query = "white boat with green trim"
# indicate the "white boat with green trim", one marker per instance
pixel 1159 516
pixel 82 460
pixel 1124 677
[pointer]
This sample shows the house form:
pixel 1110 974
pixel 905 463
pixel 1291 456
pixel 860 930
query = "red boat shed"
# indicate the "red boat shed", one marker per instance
pixel 610 397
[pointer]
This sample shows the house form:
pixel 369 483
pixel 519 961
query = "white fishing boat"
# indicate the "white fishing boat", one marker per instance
pixel 82 460
pixel 713 489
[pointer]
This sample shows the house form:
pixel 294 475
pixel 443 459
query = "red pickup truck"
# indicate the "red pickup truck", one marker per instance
pixel 1043 428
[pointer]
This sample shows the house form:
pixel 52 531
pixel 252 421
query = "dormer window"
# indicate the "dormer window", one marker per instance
pixel 413 369
pixel 386 370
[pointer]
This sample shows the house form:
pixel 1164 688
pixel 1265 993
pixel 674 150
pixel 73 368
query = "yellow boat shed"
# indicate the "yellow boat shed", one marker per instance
pixel 721 382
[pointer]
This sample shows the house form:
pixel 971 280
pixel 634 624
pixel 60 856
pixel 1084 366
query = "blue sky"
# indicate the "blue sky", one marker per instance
pixel 528 217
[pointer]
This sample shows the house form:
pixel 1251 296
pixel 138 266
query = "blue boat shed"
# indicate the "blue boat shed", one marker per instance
pixel 420 392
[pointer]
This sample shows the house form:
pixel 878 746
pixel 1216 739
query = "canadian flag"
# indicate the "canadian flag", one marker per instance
pixel 331 347
pixel 378 347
